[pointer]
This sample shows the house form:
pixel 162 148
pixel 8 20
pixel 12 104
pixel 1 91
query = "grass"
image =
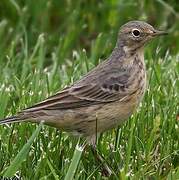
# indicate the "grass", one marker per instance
pixel 45 46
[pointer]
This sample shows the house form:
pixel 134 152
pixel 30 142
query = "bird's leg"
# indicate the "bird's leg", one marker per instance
pixel 101 161
pixel 105 170
pixel 92 140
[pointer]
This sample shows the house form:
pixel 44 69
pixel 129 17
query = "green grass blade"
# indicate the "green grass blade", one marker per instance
pixel 22 154
pixel 128 155
pixel 74 162
pixel 52 170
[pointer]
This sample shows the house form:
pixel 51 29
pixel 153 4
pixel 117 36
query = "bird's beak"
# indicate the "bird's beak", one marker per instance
pixel 159 33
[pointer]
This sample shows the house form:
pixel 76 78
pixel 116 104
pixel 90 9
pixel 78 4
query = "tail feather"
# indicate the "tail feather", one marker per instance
pixel 12 119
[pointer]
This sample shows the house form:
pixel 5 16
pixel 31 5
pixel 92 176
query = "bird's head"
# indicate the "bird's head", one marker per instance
pixel 136 34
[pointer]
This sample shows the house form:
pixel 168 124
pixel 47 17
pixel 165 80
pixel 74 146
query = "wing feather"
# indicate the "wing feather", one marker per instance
pixel 76 97
pixel 81 95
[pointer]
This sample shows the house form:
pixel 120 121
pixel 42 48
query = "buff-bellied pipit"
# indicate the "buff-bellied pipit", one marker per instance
pixel 105 96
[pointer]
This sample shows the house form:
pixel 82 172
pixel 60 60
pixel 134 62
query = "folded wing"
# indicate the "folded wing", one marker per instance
pixel 80 96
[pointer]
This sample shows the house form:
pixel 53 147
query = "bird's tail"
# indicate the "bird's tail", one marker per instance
pixel 12 119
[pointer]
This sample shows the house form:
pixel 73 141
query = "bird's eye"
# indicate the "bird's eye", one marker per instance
pixel 135 32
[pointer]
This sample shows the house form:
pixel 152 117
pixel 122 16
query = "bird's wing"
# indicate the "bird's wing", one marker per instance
pixel 80 96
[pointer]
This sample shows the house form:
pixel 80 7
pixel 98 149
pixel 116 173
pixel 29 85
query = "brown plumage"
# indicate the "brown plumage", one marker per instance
pixel 105 96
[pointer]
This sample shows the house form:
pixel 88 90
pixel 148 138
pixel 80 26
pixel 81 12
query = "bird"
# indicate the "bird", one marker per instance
pixel 103 98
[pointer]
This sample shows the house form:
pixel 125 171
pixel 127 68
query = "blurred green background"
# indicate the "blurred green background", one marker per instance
pixel 78 23
pixel 48 44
